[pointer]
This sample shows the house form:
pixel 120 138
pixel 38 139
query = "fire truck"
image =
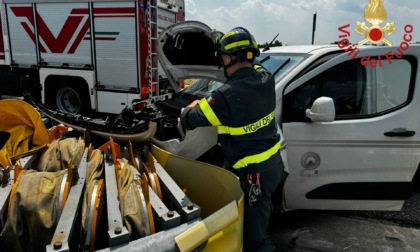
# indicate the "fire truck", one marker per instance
pixel 85 55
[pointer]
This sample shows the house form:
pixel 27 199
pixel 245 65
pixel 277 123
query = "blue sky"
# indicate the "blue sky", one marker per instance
pixel 292 19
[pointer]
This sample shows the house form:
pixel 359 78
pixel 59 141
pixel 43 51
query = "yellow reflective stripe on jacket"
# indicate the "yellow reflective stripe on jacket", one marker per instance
pixel 250 128
pixel 257 158
pixel 256 67
pixel 239 43
pixel 209 113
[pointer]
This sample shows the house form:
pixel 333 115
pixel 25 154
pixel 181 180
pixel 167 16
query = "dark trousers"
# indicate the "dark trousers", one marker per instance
pixel 257 216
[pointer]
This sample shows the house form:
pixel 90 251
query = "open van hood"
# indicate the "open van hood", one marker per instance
pixel 187 50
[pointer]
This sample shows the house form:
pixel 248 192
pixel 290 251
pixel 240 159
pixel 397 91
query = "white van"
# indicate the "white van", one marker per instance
pixel 351 138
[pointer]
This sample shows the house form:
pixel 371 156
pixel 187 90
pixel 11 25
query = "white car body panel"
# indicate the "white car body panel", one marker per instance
pixel 195 143
pixel 350 151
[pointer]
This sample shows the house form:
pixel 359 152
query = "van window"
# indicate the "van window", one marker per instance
pixel 358 91
pixel 280 64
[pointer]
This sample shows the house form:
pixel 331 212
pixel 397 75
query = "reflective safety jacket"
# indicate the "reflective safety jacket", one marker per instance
pixel 243 112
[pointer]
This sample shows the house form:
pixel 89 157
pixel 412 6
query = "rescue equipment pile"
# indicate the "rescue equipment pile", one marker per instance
pixel 60 192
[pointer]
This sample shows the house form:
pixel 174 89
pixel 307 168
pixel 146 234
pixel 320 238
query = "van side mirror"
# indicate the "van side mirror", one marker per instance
pixel 323 110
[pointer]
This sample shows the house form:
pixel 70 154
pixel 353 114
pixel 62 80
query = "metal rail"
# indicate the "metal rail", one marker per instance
pixel 68 229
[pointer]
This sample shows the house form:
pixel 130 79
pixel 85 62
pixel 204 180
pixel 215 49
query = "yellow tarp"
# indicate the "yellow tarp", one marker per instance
pixel 28 132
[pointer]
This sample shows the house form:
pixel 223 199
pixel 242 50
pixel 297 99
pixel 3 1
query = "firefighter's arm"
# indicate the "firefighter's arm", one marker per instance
pixel 183 124
pixel 205 112
pixel 192 117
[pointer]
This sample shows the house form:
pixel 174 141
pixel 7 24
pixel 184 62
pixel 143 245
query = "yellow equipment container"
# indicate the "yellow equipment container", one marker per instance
pixel 220 197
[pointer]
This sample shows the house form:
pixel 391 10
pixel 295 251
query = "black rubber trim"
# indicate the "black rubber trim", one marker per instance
pixel 363 191
pixel 400 134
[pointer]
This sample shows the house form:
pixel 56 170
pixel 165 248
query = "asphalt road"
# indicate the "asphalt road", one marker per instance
pixel 350 231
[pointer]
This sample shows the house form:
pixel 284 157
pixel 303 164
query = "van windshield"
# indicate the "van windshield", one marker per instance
pixel 280 64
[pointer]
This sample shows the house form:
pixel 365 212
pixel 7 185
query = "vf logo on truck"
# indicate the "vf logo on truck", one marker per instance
pixel 74 30
pixel 375 33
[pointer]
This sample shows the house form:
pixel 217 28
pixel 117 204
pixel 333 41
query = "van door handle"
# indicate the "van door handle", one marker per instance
pixel 401 132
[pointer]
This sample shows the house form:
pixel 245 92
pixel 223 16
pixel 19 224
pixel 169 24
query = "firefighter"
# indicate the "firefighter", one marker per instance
pixel 243 112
